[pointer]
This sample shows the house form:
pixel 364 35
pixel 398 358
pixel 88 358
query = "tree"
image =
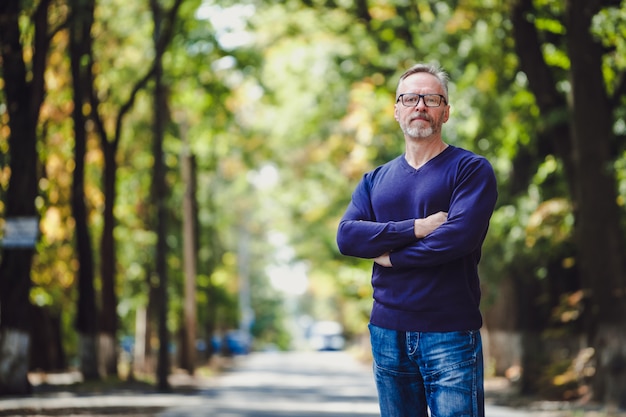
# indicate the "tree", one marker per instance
pixel 110 143
pixel 587 151
pixel 190 248
pixel 163 29
pixel 24 92
pixel 81 57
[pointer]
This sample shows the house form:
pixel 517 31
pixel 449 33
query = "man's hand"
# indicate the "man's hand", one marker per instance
pixel 384 260
pixel 424 227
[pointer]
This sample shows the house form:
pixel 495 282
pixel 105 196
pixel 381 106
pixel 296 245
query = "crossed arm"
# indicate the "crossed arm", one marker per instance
pixel 421 229
pixel 432 240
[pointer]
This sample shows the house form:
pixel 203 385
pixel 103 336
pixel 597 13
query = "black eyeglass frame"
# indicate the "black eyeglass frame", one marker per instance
pixel 421 97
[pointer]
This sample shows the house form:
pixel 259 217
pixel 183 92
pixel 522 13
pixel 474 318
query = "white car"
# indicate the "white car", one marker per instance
pixel 326 335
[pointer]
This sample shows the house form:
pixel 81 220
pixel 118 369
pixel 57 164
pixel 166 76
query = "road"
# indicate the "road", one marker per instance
pixel 294 384
pixel 297 384
pixel 301 384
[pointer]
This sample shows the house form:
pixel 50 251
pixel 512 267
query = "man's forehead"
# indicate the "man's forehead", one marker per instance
pixel 421 82
pixel 421 78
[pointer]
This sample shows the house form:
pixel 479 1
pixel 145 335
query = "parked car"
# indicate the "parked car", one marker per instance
pixel 326 335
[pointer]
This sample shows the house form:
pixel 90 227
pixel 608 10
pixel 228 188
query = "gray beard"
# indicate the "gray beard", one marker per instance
pixel 419 132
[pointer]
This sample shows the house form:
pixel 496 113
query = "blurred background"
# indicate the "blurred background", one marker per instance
pixel 172 174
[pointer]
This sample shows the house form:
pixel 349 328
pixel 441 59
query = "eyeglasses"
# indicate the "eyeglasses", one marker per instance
pixel 412 100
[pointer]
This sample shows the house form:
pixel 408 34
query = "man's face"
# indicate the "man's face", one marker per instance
pixel 421 121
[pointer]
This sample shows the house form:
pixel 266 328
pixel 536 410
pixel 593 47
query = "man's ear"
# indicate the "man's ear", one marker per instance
pixel 446 113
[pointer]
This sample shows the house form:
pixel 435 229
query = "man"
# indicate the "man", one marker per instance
pixel 422 219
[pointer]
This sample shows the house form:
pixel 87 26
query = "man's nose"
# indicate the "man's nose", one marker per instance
pixel 421 103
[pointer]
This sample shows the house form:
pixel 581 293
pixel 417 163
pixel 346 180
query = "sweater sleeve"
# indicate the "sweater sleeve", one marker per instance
pixel 471 205
pixel 361 236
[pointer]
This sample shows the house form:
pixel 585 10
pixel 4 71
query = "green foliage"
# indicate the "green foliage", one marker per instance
pixel 284 107
pixel 609 26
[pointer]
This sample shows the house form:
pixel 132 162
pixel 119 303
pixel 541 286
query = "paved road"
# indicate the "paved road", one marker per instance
pixel 299 384
pixel 296 384
pixel 302 384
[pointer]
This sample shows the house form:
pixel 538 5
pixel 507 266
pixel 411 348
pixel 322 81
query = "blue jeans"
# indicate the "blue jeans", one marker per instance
pixel 417 371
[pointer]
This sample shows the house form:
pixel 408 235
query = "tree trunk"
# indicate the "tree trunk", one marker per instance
pixel 211 309
pixel 152 317
pixel 502 327
pixel 188 357
pixel 107 354
pixel 14 346
pixel 24 92
pixel 86 320
pixel 163 31
pixel 160 198
pixel 46 350
pixel 138 361
pixel 108 315
pixel 609 383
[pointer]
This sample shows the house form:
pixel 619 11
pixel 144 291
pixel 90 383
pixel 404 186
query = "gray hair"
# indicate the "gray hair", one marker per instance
pixel 433 69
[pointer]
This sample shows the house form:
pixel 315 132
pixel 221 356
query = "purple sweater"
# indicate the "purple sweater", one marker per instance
pixel 433 285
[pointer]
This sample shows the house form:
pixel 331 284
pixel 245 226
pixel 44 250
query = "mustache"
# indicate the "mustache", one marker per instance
pixel 421 115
